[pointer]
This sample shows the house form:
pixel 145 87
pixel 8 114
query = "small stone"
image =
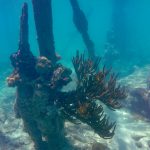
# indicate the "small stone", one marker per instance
pixel 148 143
pixel 139 144
pixel 99 146
pixel 137 137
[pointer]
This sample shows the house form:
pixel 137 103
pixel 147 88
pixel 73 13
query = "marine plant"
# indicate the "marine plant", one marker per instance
pixel 40 101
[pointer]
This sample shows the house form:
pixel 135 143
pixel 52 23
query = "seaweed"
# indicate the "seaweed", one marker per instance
pixel 44 28
pixel 23 60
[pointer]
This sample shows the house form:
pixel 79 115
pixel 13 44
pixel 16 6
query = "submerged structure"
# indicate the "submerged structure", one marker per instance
pixel 81 24
pixel 40 101
pixel 117 39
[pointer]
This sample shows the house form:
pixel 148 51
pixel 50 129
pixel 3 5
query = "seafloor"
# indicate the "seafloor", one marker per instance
pixel 132 132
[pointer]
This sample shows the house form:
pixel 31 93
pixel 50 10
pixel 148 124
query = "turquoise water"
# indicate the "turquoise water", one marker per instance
pixel 98 13
pixel 131 61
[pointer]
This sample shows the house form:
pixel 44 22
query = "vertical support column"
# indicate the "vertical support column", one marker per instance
pixel 44 27
pixel 23 60
pixel 81 24
pixel 24 31
pixel 119 25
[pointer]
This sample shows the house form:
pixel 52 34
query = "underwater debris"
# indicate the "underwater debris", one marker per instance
pixel 23 60
pixel 43 106
pixel 81 24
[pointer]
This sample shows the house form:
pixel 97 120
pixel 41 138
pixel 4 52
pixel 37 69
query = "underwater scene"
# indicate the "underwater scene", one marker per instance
pixel 74 75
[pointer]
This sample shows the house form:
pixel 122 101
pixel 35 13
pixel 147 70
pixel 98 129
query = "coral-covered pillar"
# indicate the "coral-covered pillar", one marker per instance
pixel 44 27
pixel 23 60
pixel 81 24
pixel 23 42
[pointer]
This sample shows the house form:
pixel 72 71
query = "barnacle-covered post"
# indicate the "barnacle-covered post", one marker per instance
pixel 44 27
pixel 81 24
pixel 44 106
pixel 23 60
pixel 24 72
pixel 94 86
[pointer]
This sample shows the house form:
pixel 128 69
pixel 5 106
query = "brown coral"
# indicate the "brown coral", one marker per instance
pixel 93 85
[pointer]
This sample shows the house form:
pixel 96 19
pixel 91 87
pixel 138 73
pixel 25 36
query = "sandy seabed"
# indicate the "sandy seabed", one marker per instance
pixel 132 132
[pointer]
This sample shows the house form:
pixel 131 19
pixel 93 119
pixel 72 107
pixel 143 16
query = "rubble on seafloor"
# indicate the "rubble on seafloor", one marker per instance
pixel 138 85
pixel 132 130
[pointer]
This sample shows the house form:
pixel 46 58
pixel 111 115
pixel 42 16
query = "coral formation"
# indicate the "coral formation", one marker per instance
pixel 99 146
pixel 40 101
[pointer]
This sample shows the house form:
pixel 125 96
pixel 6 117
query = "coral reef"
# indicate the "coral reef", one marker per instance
pixel 40 101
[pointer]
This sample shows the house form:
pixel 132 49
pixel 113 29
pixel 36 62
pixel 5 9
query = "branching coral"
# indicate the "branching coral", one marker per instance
pixel 42 104
pixel 93 84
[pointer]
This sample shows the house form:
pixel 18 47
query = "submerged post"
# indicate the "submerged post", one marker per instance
pixel 81 24
pixel 119 25
pixel 23 60
pixel 116 44
pixel 44 27
pixel 24 31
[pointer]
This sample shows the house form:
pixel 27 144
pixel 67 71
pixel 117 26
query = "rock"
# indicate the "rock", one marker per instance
pixel 139 144
pixel 148 143
pixel 137 137
pixel 140 101
pixel 99 146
